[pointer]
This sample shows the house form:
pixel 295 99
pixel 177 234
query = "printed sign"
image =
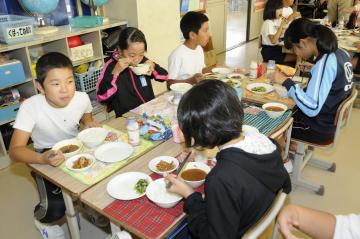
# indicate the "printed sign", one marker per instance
pixel 19 32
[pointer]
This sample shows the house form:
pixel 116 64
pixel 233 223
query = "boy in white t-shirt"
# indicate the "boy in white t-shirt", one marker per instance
pixel 186 62
pixel 47 118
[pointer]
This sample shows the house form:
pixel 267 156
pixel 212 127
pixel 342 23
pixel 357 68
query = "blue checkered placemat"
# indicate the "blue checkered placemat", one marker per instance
pixel 263 122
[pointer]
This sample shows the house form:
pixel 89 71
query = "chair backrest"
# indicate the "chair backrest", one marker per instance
pixel 343 113
pixel 284 132
pixel 268 218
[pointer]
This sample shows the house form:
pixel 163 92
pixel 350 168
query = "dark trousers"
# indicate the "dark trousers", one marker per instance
pixel 51 206
pixel 302 131
pixel 272 53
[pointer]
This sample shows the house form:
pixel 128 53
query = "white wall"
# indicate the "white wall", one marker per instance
pixel 217 13
pixel 160 22
pixel 256 20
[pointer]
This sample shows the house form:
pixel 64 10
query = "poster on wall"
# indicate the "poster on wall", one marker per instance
pixel 259 5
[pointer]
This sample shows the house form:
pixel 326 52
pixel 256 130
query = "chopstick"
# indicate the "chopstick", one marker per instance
pixel 178 170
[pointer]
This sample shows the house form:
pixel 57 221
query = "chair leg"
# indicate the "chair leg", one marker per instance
pixel 330 166
pixel 275 231
pixel 298 165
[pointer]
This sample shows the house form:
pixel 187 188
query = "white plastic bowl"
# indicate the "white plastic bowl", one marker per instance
pixel 69 162
pixel 93 137
pixel 140 69
pixel 198 165
pixel 274 114
pixel 157 192
pixel 152 164
pixel 65 142
pixel 222 70
pixel 180 87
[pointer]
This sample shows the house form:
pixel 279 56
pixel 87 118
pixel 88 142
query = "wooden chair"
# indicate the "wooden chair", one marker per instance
pixel 256 230
pixel 284 135
pixel 305 150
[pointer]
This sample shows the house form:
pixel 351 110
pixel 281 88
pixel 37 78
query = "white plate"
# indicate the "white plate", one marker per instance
pixel 113 152
pixel 237 83
pixel 221 70
pixel 69 162
pixel 268 88
pixel 122 186
pixel 152 164
pixel 212 76
pixel 236 76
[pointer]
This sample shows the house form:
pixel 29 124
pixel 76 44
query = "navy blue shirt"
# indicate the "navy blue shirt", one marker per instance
pixel 330 83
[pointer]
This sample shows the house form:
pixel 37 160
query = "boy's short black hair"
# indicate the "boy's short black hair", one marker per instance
pixel 50 61
pixel 129 35
pixel 210 114
pixel 192 22
pixel 270 9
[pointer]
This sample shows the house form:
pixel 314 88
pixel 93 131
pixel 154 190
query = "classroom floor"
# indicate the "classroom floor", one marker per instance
pixel 18 194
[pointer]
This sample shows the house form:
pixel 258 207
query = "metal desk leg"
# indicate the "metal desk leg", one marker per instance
pixel 71 216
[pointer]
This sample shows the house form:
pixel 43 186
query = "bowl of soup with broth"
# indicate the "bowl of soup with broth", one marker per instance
pixel 274 110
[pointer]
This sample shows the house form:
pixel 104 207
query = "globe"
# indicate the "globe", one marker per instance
pixel 39 6
pixel 97 3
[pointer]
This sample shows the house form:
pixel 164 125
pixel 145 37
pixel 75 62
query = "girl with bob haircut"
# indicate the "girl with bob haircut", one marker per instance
pixel 249 170
pixel 118 86
pixel 330 82
pixel 273 27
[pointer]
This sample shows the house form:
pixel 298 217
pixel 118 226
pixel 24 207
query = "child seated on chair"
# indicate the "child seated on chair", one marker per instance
pixel 249 170
pixel 186 62
pixel 118 86
pixel 288 12
pixel 273 27
pixel 330 82
pixel 47 118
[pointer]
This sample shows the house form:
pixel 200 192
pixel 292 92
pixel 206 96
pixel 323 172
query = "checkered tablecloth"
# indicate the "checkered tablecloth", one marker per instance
pixel 263 122
pixel 144 217
pixel 148 220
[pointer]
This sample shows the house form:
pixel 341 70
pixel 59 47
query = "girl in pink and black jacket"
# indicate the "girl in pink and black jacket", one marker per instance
pixel 118 86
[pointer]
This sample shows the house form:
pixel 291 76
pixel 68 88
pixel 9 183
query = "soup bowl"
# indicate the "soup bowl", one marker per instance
pixel 140 69
pixel 92 137
pixel 157 192
pixel 274 110
pixel 195 173
pixel 69 147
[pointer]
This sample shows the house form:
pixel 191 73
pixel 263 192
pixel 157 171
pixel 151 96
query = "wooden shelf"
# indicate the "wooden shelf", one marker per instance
pixel 64 32
pixel 86 60
pixel 9 86
pixel 7 121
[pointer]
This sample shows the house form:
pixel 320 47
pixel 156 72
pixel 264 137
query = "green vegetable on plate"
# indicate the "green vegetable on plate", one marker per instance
pixel 141 186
